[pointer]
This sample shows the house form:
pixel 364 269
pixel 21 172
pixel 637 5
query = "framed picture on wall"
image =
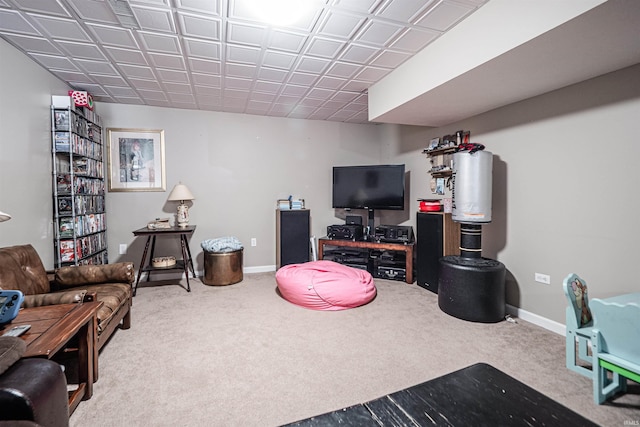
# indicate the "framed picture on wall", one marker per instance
pixel 135 160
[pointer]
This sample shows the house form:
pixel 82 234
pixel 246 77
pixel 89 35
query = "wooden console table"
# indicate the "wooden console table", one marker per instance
pixel 366 244
pixel 185 264
pixel 52 329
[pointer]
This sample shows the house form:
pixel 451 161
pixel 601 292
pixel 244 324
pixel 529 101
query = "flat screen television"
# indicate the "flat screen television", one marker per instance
pixel 369 187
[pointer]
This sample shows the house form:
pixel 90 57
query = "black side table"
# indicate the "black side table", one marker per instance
pixel 185 264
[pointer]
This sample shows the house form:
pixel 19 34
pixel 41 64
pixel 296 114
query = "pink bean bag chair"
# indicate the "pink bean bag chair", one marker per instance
pixel 325 285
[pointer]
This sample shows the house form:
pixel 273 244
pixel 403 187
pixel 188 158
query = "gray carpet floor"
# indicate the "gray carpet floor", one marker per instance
pixel 240 355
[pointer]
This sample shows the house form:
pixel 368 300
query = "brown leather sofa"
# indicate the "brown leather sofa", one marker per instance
pixel 21 268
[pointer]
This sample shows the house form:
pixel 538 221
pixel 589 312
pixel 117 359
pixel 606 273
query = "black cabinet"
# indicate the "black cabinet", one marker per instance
pixel 292 236
pixel 437 236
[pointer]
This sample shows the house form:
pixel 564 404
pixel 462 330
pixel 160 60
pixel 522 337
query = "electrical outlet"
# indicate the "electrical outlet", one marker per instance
pixel 123 248
pixel 543 278
pixel 254 241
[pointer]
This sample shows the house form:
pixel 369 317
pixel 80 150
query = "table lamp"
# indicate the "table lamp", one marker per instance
pixel 4 216
pixel 181 193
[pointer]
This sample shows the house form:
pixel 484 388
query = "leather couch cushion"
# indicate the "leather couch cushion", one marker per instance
pixel 113 295
pixel 22 269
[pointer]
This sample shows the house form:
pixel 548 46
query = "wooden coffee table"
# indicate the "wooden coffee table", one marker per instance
pixel 52 329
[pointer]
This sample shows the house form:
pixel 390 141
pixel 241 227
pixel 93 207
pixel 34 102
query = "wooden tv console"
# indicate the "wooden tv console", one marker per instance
pixel 368 244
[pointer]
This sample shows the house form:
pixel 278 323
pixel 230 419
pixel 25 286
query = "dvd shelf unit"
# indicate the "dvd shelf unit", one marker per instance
pixel 78 184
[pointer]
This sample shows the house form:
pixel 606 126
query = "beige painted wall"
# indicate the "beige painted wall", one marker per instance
pixel 565 186
pixel 565 190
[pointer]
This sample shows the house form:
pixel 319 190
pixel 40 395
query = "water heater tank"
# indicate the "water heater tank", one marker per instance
pixel 472 184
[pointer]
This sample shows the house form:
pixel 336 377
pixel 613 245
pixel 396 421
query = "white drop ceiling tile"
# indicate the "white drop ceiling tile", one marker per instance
pixel 243 54
pixel 93 89
pixel 126 56
pixel 97 67
pixel 342 69
pixel 301 112
pixel 205 67
pixel 240 70
pixel 257 107
pixel 267 87
pixel 144 84
pixel 81 50
pixel 245 34
pixel 162 43
pixel 152 95
pixel 154 19
pixel 328 82
pixel 358 54
pixel 57 62
pixel 281 110
pixel 263 97
pixel 356 86
pixel 321 114
pixel 236 95
pixel 312 65
pixel 117 91
pixel 202 48
pixel 341 115
pixel 48 7
pixel 206 79
pixel 360 6
pixel 294 90
pixel 372 74
pixel 210 102
pixel 173 76
pixel 207 91
pixel 403 11
pixel 113 36
pixel 288 41
pixel 151 2
pixel 311 102
pixel 318 93
pixel 378 33
pixel 108 80
pixel 61 28
pixel 202 6
pixel 341 25
pixel 128 100
pixel 174 62
pixel 200 26
pixel 444 15
pixel 93 10
pixel 13 22
pixel 390 59
pixel 334 105
pixel 414 40
pixel 303 78
pixel 73 76
pixel 137 71
pixel 324 47
pixel 272 75
pixel 275 59
pixel 33 44
pixel 237 83
pixel 344 96
pixel 177 87
pixel 182 97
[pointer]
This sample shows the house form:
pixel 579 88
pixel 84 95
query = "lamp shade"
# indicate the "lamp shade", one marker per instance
pixel 180 192
pixel 4 216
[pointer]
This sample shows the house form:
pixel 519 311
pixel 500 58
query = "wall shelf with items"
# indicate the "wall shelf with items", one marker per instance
pixel 441 159
pixel 79 215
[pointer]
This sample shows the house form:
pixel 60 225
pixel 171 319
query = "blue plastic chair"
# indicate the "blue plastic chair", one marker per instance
pixel 615 344
pixel 579 324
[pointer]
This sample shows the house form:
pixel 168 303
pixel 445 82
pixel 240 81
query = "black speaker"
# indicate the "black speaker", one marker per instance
pixel 353 219
pixel 437 236
pixel 292 236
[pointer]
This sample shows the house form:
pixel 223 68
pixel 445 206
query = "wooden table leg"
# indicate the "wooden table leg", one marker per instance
pixel 142 263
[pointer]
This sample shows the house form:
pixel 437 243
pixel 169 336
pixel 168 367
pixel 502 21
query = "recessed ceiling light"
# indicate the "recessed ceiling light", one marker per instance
pixel 282 12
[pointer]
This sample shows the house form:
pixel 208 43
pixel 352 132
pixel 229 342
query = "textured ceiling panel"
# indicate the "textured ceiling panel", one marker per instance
pixel 220 55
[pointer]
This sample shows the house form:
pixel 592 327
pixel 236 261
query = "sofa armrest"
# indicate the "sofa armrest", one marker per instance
pixel 53 298
pixel 82 275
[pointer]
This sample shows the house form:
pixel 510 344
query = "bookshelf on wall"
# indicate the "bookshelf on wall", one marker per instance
pixel 79 218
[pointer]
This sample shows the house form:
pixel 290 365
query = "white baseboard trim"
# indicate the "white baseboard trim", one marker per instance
pixel 259 269
pixel 543 322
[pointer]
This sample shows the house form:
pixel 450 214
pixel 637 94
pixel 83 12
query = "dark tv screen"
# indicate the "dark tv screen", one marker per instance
pixel 368 187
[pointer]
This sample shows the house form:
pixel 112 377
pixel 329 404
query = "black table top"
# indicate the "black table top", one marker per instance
pixel 479 395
